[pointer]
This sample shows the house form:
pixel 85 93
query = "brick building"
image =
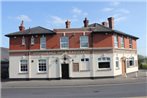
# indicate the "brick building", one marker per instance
pixel 94 50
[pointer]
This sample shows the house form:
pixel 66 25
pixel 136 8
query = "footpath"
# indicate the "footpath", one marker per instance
pixel 140 77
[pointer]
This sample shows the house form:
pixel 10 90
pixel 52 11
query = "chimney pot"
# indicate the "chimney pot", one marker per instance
pixel 111 22
pixel 21 27
pixel 105 23
pixel 67 23
pixel 86 22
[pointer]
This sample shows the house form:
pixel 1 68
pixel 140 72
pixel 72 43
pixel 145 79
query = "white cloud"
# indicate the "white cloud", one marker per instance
pixel 76 11
pixel 24 18
pixel 114 3
pixel 57 20
pixel 107 9
pixel 125 11
pixel 119 19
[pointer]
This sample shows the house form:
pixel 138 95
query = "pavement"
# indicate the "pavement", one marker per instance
pixel 140 77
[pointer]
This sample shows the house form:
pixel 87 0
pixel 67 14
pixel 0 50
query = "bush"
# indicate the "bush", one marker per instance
pixel 144 66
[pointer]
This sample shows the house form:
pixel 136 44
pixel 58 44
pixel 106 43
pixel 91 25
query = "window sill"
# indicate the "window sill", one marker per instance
pixel 104 69
pixel 131 66
pixel 117 68
pixel 44 72
pixel 23 72
pixel 84 70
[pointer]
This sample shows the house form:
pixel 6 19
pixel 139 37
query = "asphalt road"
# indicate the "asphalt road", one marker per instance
pixel 138 90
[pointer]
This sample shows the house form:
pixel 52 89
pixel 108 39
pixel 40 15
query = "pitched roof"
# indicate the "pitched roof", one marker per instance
pixel 31 31
pixel 101 28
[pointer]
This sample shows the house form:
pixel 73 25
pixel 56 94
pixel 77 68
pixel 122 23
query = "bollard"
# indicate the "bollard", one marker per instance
pixel 136 74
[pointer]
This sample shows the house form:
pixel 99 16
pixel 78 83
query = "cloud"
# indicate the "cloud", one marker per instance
pixel 114 3
pixel 78 12
pixel 125 11
pixel 23 17
pixel 107 9
pixel 121 18
pixel 57 20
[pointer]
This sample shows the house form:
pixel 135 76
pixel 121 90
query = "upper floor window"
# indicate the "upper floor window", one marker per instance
pixel 130 43
pixel 84 42
pixel 122 42
pixel 64 42
pixel 23 66
pixel 32 40
pixel 115 41
pixel 23 40
pixel 43 42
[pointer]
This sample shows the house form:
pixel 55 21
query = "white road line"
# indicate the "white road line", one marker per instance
pixel 73 86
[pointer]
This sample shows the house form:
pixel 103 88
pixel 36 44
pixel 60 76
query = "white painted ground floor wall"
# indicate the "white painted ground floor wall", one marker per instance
pixel 54 62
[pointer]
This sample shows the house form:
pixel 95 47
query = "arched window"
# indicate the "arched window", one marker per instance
pixel 32 40
pixel 43 42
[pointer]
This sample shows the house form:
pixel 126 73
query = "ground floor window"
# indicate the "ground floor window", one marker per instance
pixel 104 63
pixel 23 65
pixel 42 65
pixel 117 63
pixel 130 62
pixel 85 66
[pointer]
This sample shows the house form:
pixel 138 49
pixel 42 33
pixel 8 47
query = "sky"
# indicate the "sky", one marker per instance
pixel 130 17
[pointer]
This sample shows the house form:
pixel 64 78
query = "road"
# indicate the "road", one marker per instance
pixel 136 89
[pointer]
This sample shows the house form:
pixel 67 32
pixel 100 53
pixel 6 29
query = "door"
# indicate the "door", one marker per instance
pixel 65 71
pixel 124 68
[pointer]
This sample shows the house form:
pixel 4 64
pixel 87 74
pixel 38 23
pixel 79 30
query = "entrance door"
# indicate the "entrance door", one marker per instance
pixel 65 71
pixel 124 68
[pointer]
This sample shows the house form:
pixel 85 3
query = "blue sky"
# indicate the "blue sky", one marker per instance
pixel 130 17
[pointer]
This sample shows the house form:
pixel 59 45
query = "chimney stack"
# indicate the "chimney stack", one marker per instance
pixel 21 27
pixel 111 22
pixel 67 23
pixel 86 22
pixel 105 23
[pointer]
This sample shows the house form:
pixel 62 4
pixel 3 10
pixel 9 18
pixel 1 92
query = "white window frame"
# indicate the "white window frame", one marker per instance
pixel 122 40
pixel 130 43
pixel 115 41
pixel 23 40
pixel 64 42
pixel 84 42
pixel 42 65
pixel 32 40
pixel 42 42
pixel 128 62
pixel 85 65
pixel 117 61
pixel 107 59
pixel 21 64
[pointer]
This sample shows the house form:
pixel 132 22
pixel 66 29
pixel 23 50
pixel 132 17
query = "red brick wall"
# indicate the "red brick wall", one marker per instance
pixel 134 44
pixel 102 40
pixel 53 41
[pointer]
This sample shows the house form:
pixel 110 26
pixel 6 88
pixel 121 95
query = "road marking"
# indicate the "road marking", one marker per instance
pixel 75 86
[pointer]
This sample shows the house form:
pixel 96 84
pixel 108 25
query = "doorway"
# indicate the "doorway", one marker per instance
pixel 65 71
pixel 123 68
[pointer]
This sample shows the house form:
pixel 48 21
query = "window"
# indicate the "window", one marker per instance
pixel 43 42
pixel 64 42
pixel 115 41
pixel 75 67
pixel 104 63
pixel 23 65
pixel 23 40
pixel 122 42
pixel 85 64
pixel 42 65
pixel 84 42
pixel 117 63
pixel 32 40
pixel 130 62
pixel 130 43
